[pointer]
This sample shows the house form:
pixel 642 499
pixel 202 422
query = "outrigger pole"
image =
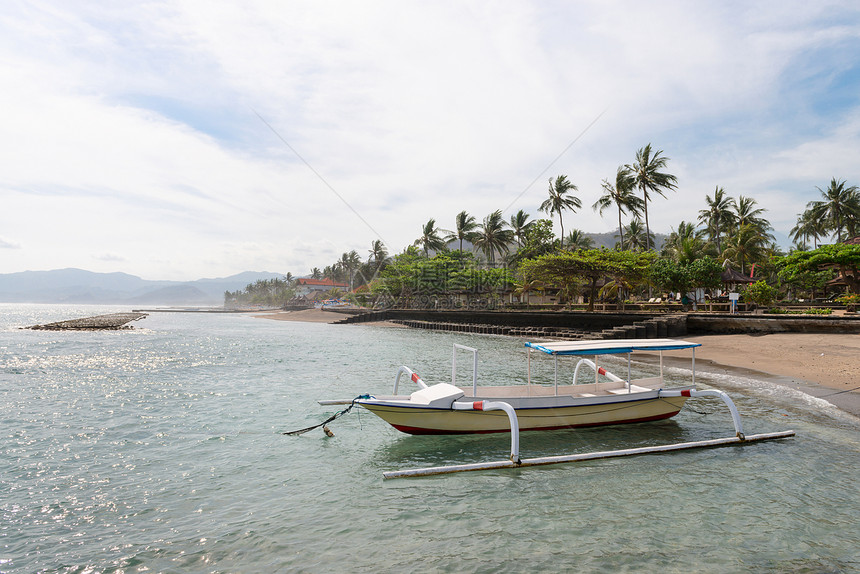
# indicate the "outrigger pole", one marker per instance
pixel 543 461
pixel 516 462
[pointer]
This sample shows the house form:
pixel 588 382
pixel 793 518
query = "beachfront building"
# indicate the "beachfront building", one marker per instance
pixel 309 288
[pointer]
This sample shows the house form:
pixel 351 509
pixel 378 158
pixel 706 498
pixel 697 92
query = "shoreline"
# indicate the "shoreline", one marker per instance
pixel 825 366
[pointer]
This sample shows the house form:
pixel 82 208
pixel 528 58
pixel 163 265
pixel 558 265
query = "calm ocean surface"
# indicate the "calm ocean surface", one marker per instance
pixel 159 450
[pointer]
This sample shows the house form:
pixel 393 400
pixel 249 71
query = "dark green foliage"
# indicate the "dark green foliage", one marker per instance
pixel 759 293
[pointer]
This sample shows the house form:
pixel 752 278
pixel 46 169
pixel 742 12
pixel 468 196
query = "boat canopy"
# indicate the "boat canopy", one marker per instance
pixel 610 347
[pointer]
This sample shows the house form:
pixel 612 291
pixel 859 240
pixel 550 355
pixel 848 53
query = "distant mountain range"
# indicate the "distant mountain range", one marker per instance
pixel 79 286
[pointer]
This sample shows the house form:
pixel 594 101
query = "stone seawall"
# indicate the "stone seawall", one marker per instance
pixel 703 324
pixel 581 325
pixel 547 324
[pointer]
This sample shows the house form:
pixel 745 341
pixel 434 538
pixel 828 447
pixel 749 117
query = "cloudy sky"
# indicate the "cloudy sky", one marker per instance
pixel 191 138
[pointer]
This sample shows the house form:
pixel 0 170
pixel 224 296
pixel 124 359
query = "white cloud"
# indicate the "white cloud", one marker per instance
pixel 133 128
pixel 6 244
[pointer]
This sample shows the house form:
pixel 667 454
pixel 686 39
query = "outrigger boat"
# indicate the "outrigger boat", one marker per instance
pixel 599 398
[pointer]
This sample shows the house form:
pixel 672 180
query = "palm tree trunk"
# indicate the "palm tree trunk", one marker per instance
pixel 647 237
pixel 647 227
pixel 620 228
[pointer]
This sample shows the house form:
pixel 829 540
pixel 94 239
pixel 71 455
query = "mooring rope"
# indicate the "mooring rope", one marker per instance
pixel 328 420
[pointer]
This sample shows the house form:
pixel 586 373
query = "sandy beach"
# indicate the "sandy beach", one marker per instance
pixel 823 365
pixel 305 315
pixel 826 366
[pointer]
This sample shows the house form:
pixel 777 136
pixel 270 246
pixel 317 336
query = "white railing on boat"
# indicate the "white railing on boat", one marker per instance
pixel 415 378
pixel 474 366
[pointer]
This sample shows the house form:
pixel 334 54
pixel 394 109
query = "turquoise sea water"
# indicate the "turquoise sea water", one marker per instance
pixel 159 450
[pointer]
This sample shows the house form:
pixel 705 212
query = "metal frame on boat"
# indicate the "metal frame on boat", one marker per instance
pixel 607 399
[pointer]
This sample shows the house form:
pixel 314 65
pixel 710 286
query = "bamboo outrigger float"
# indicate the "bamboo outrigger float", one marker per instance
pixel 605 399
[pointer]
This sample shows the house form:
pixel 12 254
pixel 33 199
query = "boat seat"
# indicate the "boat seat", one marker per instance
pixel 586 395
pixel 441 395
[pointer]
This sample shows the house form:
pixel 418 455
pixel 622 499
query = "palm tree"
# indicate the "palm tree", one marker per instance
pixel 621 194
pixel 520 225
pixel 465 229
pixel 635 239
pixel 649 179
pixel 719 217
pixel 839 208
pixel 492 236
pixel 558 200
pixel 808 226
pixel 526 286
pixel 747 244
pixel 577 240
pixel 430 238
pixel 746 213
pixel 350 262
pixel 378 254
pixel 686 244
pixel 316 273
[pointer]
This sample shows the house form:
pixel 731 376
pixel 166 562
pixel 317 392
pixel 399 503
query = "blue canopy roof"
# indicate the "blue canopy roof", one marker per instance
pixel 611 346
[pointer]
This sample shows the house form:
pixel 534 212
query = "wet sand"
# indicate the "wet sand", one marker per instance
pixel 305 315
pixel 826 366
pixel 315 316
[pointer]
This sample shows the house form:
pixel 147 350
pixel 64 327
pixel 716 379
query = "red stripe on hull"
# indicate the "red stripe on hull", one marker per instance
pixel 423 431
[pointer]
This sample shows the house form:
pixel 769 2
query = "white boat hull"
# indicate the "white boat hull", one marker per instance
pixel 544 413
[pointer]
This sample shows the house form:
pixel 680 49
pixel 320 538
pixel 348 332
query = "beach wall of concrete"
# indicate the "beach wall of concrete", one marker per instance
pixel 608 325
pixel 704 324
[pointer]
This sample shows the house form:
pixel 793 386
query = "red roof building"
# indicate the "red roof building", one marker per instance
pixel 306 286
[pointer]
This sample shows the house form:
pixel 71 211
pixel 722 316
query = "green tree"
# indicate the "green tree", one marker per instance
pixel 747 245
pixel 719 216
pixel 378 255
pixel 350 262
pixel 686 276
pixel 808 226
pixel 746 213
pixel 760 293
pixel 590 266
pixel 539 240
pixel 684 245
pixel 839 208
pixel 636 239
pixel 520 224
pixel 620 194
pixel 649 178
pixel 465 226
pixel 577 240
pixel 559 201
pixel 430 239
pixel 670 275
pixel 493 236
pixel 525 286
pixel 706 273
pixel 843 257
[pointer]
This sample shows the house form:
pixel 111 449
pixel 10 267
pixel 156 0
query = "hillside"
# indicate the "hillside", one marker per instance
pixel 80 286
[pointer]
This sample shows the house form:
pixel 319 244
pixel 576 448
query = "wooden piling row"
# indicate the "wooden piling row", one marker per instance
pixel 655 328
